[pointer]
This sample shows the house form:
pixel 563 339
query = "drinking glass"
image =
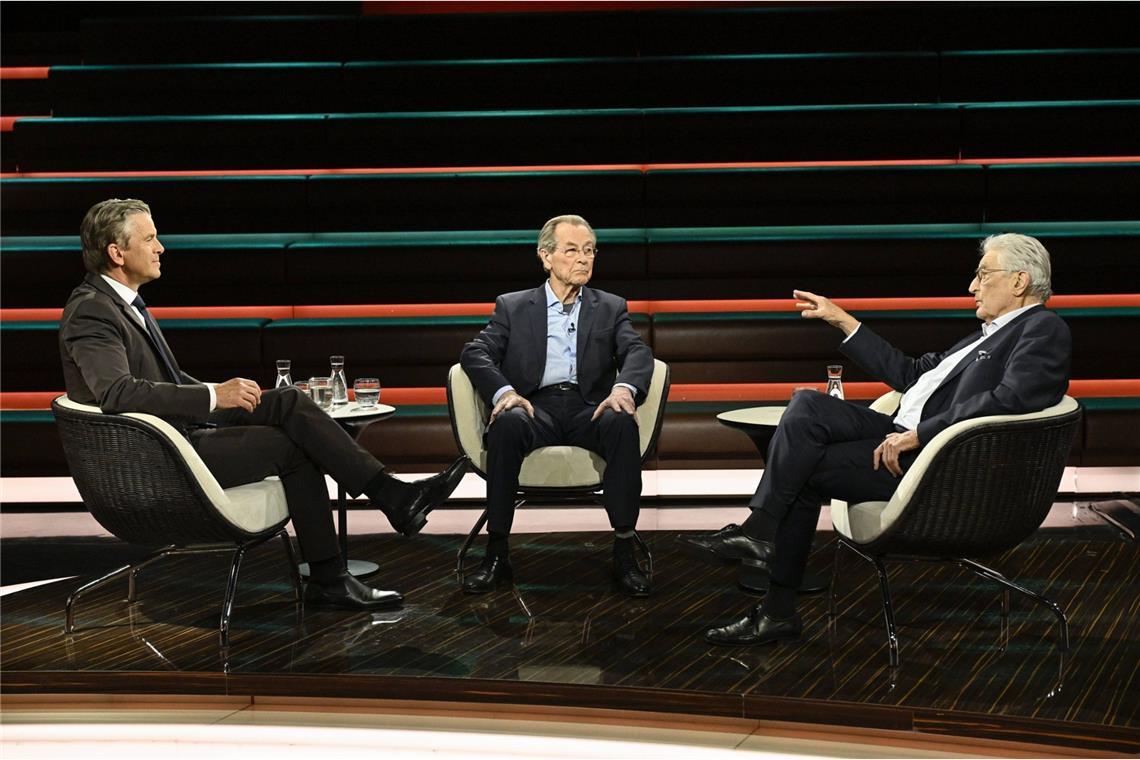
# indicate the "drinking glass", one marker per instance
pixel 321 390
pixel 367 391
pixel 303 386
pixel 284 379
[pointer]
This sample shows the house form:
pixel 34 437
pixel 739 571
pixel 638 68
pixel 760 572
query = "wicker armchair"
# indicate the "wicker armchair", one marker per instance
pixel 565 472
pixel 144 483
pixel 979 487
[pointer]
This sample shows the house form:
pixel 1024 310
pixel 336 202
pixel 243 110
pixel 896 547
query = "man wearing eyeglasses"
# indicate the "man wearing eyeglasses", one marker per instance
pixel 561 364
pixel 827 448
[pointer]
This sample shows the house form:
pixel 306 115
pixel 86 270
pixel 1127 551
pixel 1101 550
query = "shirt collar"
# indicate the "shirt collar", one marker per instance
pixel 122 290
pixel 1004 319
pixel 552 300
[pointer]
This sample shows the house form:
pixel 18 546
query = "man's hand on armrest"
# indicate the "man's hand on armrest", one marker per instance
pixel 510 400
pixel 812 306
pixel 620 400
pixel 894 444
pixel 238 392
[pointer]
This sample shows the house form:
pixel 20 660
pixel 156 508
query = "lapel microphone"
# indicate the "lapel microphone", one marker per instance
pixel 571 328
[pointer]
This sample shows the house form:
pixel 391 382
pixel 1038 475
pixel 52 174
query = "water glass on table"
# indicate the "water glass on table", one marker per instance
pixel 367 390
pixel 321 390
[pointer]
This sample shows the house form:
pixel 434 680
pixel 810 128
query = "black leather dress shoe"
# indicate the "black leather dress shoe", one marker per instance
pixel 755 628
pixel 631 581
pixel 493 570
pixel 728 545
pixel 408 515
pixel 349 593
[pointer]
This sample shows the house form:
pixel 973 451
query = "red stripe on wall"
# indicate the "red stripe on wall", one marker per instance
pixel 1093 301
pixel 24 72
pixel 567 167
pixel 727 392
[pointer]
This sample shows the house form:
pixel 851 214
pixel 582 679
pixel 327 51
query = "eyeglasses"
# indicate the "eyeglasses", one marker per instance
pixel 982 274
pixel 589 251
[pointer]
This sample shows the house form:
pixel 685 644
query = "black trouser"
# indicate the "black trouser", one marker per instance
pixel 562 418
pixel 289 436
pixel 823 448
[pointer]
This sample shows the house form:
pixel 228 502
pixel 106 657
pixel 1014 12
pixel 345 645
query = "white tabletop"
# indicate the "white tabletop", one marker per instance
pixel 354 411
pixel 758 416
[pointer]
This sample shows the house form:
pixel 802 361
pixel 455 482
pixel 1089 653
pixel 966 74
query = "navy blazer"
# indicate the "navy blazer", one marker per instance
pixel 109 361
pixel 1023 368
pixel 511 349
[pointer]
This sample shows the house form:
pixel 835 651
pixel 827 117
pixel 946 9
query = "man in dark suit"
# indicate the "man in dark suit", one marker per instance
pixel 115 357
pixel 827 448
pixel 561 365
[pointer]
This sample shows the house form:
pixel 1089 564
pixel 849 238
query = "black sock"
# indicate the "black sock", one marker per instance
pixel 386 489
pixel 497 545
pixel 325 571
pixel 780 601
pixel 624 555
pixel 760 526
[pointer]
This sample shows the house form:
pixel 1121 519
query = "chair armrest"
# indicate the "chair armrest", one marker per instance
pixel 468 416
pixel 651 411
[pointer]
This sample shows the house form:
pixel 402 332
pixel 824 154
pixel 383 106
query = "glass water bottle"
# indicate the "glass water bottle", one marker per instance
pixel 339 384
pixel 835 380
pixel 284 379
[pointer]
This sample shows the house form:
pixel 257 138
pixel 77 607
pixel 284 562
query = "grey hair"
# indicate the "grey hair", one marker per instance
pixel 106 223
pixel 1022 253
pixel 546 239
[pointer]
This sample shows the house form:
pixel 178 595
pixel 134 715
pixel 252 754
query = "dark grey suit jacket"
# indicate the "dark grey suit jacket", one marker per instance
pixel 1023 368
pixel 109 362
pixel 511 349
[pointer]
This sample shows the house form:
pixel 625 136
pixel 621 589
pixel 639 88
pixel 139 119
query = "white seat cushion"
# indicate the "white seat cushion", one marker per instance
pixel 253 507
pixel 562 467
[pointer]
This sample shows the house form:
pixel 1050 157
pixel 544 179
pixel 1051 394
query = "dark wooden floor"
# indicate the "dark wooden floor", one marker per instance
pixel 563 625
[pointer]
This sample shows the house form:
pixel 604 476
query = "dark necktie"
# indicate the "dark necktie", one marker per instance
pixel 156 339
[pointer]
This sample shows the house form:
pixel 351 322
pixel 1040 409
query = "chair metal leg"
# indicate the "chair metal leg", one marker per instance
pixel 156 555
pixel 831 608
pixel 461 557
pixel 888 612
pixel 73 597
pixel 1004 620
pixel 231 592
pixel 293 567
pixel 888 609
pixel 994 575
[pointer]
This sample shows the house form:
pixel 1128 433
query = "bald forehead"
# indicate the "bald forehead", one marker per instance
pixel 570 232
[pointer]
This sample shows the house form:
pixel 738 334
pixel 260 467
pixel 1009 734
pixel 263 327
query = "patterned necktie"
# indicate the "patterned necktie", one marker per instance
pixel 156 339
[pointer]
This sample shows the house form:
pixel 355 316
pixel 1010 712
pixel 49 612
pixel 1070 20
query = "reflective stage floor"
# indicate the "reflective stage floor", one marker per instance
pixel 563 636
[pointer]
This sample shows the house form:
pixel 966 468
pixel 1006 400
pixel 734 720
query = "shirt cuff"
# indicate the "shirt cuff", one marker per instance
pixel 632 389
pixel 499 394
pixel 852 333
pixel 213 396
